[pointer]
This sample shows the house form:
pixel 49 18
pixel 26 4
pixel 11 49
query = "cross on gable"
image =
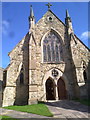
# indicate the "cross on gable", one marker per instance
pixel 49 5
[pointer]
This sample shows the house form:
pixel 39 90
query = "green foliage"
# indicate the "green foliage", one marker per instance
pixel 7 118
pixel 39 109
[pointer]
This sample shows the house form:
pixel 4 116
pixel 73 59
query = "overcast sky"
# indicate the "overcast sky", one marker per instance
pixel 15 21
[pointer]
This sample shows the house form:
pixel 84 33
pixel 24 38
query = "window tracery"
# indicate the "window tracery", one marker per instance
pixel 51 48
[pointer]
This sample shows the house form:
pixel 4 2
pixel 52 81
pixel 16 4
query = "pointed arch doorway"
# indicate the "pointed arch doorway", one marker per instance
pixel 62 94
pixel 50 89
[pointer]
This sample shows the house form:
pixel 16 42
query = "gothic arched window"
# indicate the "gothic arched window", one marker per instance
pixel 85 76
pixel 21 78
pixel 84 71
pixel 51 48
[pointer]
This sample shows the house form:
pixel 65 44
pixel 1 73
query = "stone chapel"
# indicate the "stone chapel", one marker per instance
pixel 49 63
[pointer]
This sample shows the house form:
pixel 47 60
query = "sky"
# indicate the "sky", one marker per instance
pixel 15 23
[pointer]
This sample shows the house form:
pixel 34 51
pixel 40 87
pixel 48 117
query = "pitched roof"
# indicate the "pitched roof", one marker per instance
pixel 7 67
pixel 82 42
pixel 1 68
pixel 61 22
pixel 65 26
pixel 17 45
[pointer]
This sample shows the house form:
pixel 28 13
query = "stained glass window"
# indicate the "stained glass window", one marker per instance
pixel 51 48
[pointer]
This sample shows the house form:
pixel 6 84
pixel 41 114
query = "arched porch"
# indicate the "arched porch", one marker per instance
pixel 55 88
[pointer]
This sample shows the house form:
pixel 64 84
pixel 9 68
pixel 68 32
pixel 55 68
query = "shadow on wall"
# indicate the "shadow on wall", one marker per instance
pixel 70 70
pixel 85 89
pixel 22 82
pixel 88 86
pixel 21 95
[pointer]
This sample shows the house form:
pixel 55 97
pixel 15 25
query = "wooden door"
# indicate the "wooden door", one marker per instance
pixel 50 89
pixel 61 89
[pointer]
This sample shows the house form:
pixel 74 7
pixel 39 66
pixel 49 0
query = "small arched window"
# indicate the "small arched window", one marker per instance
pixel 51 48
pixel 4 77
pixel 21 78
pixel 85 76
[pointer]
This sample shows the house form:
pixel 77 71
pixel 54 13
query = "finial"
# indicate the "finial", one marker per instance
pixel 67 14
pixel 68 22
pixel 31 12
pixel 49 5
pixel 31 18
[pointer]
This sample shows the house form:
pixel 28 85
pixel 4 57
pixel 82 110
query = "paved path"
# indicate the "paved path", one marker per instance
pixel 68 109
pixel 61 109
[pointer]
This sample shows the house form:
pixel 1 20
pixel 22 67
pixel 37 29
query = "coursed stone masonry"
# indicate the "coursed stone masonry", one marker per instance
pixel 27 58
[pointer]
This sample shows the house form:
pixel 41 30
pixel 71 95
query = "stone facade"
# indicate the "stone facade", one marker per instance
pixel 1 74
pixel 1 84
pixel 27 74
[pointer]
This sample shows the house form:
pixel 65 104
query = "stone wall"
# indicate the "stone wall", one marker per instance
pixel 1 84
pixel 14 93
pixel 73 57
pixel 37 74
pixel 1 73
pixel 81 58
pixel 27 56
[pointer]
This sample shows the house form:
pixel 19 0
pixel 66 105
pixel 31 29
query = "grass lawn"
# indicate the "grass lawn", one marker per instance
pixel 39 109
pixel 7 118
pixel 85 102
